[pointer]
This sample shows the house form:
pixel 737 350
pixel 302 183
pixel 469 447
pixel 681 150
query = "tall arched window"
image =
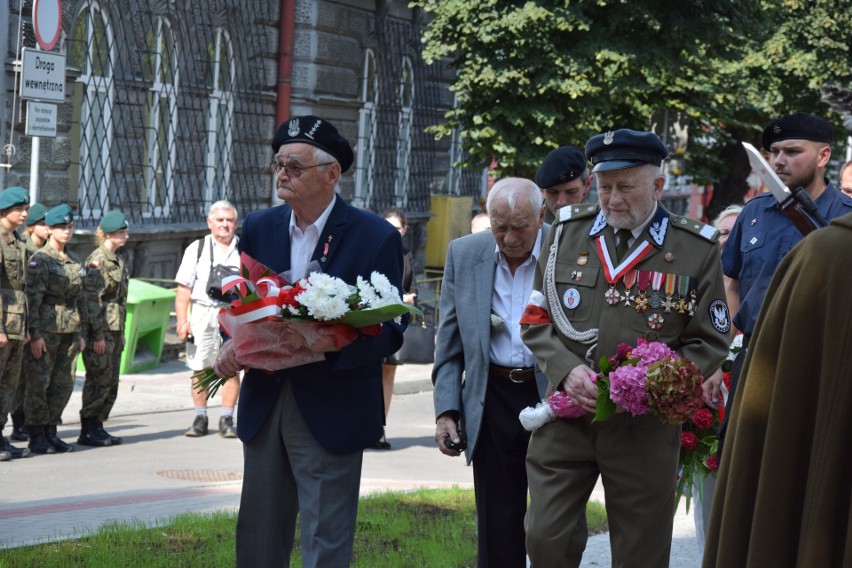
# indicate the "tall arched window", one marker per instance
pixel 403 141
pixel 366 145
pixel 219 136
pixel 161 73
pixel 90 50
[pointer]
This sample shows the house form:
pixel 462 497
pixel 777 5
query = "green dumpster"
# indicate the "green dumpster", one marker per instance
pixel 148 310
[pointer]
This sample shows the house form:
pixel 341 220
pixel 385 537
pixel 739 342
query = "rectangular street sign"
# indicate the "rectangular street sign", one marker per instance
pixel 42 75
pixel 41 119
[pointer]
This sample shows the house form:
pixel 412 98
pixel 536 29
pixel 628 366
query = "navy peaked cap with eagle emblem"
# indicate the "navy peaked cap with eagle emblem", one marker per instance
pixel 560 166
pixel 798 126
pixel 624 148
pixel 317 132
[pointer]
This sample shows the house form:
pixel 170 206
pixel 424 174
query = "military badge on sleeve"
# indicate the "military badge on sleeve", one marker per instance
pixel 719 316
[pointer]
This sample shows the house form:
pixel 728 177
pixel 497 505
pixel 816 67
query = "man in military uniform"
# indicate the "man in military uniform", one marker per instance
pixel 563 178
pixel 106 300
pixel 799 147
pixel 14 203
pixel 624 272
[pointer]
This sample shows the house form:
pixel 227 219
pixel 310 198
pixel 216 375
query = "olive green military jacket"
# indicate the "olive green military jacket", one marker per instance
pixel 13 299
pixel 668 288
pixel 105 286
pixel 54 293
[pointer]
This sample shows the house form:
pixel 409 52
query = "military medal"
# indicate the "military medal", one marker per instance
pixel 583 258
pixel 682 305
pixel 629 280
pixel 655 321
pixel 668 257
pixel 655 301
pixel 612 296
pixel 641 303
pixel 693 300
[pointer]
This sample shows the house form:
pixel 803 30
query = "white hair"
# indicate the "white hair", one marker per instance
pixel 512 189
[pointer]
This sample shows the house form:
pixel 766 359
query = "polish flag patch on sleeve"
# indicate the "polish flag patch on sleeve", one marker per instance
pixel 535 313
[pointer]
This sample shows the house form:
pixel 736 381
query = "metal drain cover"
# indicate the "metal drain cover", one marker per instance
pixel 207 475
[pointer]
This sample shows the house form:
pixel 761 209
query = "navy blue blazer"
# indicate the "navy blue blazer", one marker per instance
pixel 340 398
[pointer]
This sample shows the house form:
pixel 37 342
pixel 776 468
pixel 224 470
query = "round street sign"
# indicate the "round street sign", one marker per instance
pixel 47 21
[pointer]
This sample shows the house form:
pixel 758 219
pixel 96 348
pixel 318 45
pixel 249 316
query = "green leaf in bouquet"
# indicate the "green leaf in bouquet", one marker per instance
pixel 207 380
pixel 366 318
pixel 604 365
pixel 605 406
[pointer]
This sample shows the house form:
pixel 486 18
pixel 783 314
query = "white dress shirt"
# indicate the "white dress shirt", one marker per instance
pixel 303 243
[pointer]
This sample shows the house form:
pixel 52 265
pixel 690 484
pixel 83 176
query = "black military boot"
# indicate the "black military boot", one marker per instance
pixel 19 431
pixel 90 436
pixel 115 440
pixel 38 442
pixel 16 453
pixel 60 446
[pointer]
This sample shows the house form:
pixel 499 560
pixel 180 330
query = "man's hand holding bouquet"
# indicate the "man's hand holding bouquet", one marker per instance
pixel 274 325
pixel 647 378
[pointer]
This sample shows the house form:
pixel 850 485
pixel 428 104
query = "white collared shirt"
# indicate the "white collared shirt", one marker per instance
pixel 303 243
pixel 508 299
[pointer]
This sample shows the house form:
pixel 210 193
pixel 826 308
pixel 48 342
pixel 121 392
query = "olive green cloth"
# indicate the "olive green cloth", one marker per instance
pixel 783 494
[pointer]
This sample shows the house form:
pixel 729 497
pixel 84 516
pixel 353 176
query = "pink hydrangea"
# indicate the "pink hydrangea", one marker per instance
pixel 563 406
pixel 627 388
pixel 651 352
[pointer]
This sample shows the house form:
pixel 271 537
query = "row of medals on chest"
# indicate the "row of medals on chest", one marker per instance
pixel 669 292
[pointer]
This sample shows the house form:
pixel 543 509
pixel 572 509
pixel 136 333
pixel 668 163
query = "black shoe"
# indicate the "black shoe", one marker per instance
pixel 14 453
pixel 5 456
pixel 115 440
pixel 226 427
pixel 90 436
pixel 199 427
pixel 60 446
pixel 19 433
pixel 38 442
pixel 382 444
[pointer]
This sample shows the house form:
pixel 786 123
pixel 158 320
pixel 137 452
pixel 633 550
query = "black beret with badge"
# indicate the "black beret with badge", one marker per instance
pixel 60 215
pixel 798 126
pixel 560 166
pixel 13 196
pixel 625 148
pixel 316 132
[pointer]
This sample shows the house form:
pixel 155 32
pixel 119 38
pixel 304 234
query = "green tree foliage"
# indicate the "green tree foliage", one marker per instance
pixel 535 75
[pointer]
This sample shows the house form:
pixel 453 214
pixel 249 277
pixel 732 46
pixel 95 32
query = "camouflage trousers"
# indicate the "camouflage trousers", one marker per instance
pixel 10 372
pixel 50 379
pixel 101 386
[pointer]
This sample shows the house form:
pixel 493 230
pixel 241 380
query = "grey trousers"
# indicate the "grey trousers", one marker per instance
pixel 288 474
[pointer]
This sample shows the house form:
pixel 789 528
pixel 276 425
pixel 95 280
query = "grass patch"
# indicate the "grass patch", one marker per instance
pixel 419 529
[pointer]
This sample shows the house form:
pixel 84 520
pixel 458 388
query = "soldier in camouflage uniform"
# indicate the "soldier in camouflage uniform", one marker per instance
pixel 14 206
pixel 35 234
pixel 57 309
pixel 106 299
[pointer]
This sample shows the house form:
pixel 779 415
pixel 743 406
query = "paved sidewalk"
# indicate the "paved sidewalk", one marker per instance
pixel 158 473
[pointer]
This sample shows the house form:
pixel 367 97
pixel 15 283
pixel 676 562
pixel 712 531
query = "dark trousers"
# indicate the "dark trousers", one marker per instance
pixel 500 475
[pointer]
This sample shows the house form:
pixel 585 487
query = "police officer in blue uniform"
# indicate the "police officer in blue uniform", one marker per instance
pixel 799 147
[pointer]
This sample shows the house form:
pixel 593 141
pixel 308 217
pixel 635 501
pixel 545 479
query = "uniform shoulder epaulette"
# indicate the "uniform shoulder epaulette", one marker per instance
pixel 579 211
pixel 703 230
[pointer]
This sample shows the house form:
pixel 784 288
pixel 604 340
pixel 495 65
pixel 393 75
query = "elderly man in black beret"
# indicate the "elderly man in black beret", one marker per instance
pixel 563 178
pixel 799 147
pixel 623 272
pixel 304 428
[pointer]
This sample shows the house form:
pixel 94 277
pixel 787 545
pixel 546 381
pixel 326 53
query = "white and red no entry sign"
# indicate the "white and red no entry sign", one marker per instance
pixel 47 21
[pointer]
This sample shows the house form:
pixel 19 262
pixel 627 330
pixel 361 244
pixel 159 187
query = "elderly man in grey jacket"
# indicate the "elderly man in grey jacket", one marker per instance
pixel 483 373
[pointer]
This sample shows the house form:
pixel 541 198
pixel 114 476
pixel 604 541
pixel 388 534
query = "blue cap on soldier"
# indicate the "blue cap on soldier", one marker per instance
pixel 36 214
pixel 625 148
pixel 113 221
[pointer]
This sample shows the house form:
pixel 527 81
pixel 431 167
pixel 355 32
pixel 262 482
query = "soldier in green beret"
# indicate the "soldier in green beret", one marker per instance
pixel 57 309
pixel 14 205
pixel 35 235
pixel 105 285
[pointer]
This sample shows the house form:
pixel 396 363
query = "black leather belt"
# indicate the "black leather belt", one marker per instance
pixel 516 375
